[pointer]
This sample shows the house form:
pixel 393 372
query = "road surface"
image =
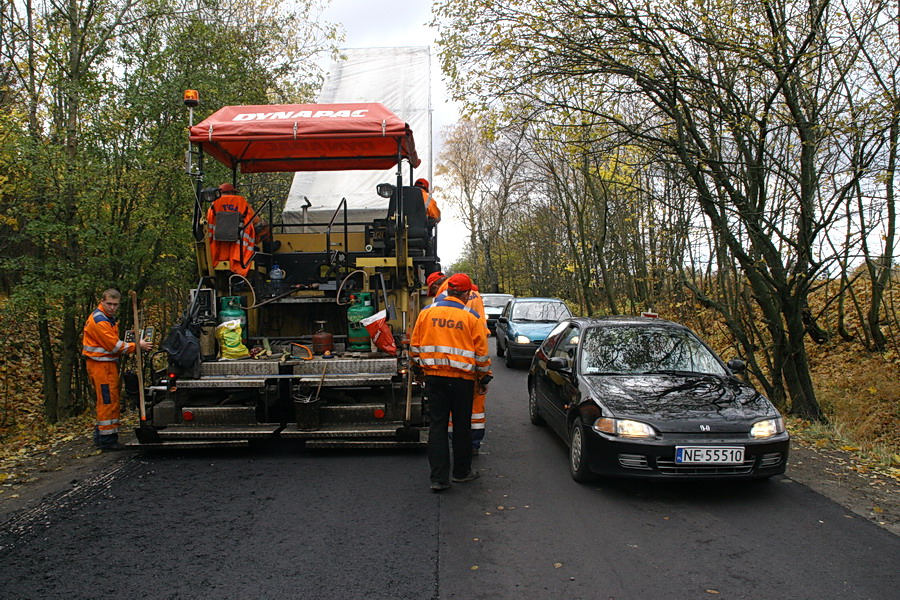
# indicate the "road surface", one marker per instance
pixel 283 522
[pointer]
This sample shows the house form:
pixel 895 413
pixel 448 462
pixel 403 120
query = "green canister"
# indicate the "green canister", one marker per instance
pixel 230 308
pixel 358 337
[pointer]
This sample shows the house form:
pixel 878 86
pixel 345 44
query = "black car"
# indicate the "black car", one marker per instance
pixel 635 396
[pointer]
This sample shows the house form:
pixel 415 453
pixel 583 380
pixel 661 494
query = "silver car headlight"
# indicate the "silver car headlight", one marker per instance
pixel 767 428
pixel 522 339
pixel 625 428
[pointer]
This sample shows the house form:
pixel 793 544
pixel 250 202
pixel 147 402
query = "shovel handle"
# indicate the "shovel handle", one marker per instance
pixel 137 356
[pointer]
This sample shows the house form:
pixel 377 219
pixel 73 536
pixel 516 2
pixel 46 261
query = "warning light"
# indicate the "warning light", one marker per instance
pixel 191 98
pixel 187 415
pixel 379 413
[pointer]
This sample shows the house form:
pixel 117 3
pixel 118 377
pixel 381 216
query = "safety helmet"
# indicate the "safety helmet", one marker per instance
pixel 422 183
pixel 429 281
pixel 227 187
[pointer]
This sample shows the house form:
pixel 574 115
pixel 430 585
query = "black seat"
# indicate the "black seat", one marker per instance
pixel 416 219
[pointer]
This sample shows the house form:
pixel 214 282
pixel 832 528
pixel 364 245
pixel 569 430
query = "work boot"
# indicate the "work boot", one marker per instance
pixel 472 474
pixel 439 487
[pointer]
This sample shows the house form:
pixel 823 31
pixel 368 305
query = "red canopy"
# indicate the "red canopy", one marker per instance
pixel 306 137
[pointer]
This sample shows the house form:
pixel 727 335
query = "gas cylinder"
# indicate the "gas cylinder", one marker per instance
pixel 357 335
pixel 230 309
pixel 323 341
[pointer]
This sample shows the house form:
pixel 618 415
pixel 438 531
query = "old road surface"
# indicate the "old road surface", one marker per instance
pixel 280 522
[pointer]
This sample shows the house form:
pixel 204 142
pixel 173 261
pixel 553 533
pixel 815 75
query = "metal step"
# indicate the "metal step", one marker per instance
pixel 229 432
pixel 364 444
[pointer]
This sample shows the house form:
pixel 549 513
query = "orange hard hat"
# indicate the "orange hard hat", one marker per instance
pixel 429 281
pixel 422 183
pixel 227 187
pixel 460 282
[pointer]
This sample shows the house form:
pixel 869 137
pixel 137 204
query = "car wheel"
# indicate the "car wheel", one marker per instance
pixel 510 362
pixel 533 412
pixel 499 348
pixel 577 460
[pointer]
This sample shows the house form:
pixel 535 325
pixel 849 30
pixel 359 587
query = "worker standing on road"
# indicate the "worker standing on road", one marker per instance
pixel 101 348
pixel 238 253
pixel 449 344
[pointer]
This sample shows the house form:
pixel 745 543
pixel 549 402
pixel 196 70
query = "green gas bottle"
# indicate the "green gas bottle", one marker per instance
pixel 229 309
pixel 358 337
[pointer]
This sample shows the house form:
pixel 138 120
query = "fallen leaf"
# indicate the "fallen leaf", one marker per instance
pixel 557 565
pixel 473 568
pixel 711 591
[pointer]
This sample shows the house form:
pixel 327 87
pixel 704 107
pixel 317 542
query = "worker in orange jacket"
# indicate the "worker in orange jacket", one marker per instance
pixel 449 345
pixel 102 348
pixel 239 254
pixel 432 212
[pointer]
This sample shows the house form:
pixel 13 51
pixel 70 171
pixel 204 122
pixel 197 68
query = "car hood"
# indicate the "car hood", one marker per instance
pixel 681 403
pixel 535 330
pixel 493 311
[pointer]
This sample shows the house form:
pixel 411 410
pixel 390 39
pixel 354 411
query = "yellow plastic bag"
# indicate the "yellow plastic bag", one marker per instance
pixel 231 347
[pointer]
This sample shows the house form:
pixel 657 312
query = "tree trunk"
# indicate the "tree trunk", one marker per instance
pixel 48 370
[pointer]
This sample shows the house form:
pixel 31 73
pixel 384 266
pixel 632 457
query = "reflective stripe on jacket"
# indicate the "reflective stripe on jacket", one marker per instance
pixel 100 340
pixel 449 340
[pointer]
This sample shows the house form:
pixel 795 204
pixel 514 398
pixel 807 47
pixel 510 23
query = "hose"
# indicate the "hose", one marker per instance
pixel 337 297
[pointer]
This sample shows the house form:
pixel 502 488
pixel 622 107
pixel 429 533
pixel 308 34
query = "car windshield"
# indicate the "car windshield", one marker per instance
pixel 495 301
pixel 644 350
pixel 540 311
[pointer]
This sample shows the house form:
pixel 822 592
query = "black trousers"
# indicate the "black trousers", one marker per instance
pixel 449 395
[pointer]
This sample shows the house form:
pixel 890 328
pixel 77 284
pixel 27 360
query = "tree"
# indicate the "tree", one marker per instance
pixel 744 101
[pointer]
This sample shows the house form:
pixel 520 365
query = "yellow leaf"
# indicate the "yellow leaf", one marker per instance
pixel 557 565
pixel 473 568
pixel 850 448
pixel 877 509
pixel 711 591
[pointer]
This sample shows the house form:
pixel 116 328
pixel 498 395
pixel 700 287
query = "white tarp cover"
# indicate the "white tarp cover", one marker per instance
pixel 398 78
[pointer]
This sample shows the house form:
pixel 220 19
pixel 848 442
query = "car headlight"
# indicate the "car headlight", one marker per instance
pixel 625 428
pixel 522 339
pixel 767 428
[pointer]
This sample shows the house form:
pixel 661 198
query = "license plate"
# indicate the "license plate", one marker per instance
pixel 706 455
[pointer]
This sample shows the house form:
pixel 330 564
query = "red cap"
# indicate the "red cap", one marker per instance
pixel 474 288
pixel 459 282
pixel 227 187
pixel 433 277
pixel 422 183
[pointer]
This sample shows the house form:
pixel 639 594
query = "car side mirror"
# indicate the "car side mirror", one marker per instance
pixel 736 365
pixel 503 320
pixel 559 364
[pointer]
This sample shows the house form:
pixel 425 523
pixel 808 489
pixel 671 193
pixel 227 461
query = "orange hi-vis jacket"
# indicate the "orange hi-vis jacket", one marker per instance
pixel 449 340
pixel 100 340
pixel 238 254
pixel 431 208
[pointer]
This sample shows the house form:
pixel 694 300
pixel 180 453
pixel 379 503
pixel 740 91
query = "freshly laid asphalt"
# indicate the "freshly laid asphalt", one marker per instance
pixel 283 522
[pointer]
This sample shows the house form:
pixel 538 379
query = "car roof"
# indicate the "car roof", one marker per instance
pixel 537 299
pixel 624 320
pixel 492 294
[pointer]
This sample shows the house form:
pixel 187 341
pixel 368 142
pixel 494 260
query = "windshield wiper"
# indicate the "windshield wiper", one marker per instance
pixel 671 372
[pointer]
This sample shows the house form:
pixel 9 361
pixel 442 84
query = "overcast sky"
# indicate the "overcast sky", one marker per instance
pixel 369 23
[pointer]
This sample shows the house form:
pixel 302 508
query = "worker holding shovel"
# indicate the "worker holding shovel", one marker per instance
pixel 101 349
